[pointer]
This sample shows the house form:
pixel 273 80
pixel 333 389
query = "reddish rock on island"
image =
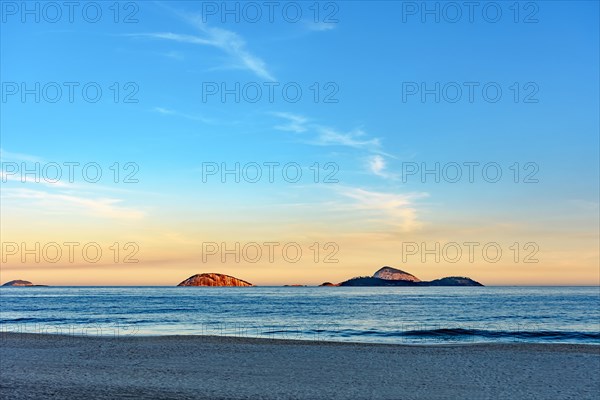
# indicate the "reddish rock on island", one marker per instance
pixel 18 282
pixel 213 279
pixel 394 274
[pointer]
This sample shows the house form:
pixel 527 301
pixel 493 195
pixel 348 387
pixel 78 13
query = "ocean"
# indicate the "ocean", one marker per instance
pixel 403 315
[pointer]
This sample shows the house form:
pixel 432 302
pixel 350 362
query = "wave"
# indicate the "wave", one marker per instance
pixel 465 334
pixel 497 334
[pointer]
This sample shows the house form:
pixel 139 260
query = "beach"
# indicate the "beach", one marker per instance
pixel 38 366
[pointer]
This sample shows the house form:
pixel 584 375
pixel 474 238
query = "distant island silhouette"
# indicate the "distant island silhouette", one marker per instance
pixel 20 283
pixel 385 276
pixel 213 279
pixel 388 276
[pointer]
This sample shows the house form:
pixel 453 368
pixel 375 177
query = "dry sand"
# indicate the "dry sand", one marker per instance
pixel 199 367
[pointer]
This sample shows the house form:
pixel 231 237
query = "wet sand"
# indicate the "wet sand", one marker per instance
pixel 217 368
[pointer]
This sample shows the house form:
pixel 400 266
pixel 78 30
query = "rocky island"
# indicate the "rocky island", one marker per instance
pixel 213 279
pixel 388 276
pixel 20 283
pixel 393 274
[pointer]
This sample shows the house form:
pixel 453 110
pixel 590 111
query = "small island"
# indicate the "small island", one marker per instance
pixel 213 279
pixel 388 276
pixel 21 283
pixel 385 276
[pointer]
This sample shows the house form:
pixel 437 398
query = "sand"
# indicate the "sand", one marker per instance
pixel 200 367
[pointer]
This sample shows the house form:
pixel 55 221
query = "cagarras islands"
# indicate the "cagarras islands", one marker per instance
pixel 386 276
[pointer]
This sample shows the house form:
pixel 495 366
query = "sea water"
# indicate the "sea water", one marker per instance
pixel 408 315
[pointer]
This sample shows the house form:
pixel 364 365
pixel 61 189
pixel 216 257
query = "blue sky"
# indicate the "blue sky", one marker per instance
pixel 367 56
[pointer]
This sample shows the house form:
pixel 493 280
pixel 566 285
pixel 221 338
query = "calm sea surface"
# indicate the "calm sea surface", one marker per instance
pixel 384 315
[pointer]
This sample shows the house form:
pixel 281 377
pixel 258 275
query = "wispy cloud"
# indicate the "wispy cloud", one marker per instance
pixel 356 138
pixel 319 26
pixel 321 135
pixel 167 111
pixel 33 191
pixel 25 162
pixel 31 179
pixel 67 203
pixel 294 123
pixel 377 165
pixel 325 135
pixel 228 41
pixel 398 210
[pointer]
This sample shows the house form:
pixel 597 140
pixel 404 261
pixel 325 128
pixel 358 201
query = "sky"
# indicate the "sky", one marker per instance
pixel 299 142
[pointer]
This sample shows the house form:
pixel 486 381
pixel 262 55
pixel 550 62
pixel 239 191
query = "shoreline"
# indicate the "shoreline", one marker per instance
pixel 223 367
pixel 280 341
